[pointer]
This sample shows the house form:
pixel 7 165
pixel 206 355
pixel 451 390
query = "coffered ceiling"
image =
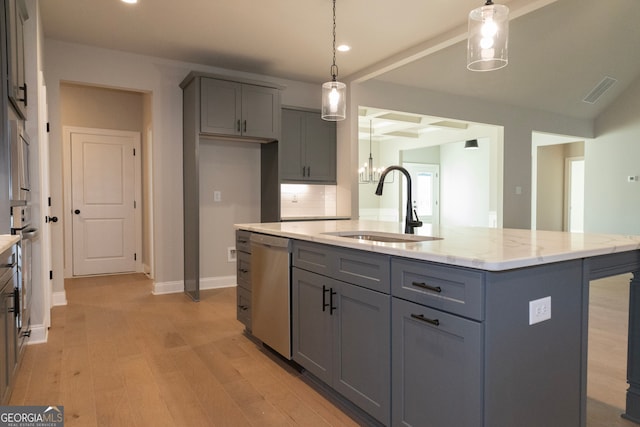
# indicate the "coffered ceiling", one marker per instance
pixel 559 49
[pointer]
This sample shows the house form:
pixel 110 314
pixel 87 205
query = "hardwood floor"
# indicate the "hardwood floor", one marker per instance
pixel 119 356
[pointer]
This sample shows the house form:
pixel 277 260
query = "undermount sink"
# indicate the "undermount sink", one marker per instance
pixel 377 236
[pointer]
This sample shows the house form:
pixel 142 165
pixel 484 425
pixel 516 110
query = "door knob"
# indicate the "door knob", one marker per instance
pixel 77 212
pixel 51 219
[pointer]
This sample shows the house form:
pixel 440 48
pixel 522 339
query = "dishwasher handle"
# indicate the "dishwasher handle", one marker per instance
pixel 269 240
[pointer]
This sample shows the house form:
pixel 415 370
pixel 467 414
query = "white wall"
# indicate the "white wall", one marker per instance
pixel 67 62
pixel 612 205
pixel 465 184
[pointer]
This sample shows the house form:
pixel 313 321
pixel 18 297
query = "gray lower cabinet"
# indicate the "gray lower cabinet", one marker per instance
pixel 307 147
pixel 243 278
pixel 437 369
pixel 8 333
pixel 341 335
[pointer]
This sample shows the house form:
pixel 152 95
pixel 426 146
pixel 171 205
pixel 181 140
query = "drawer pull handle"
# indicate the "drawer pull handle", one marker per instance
pixel 243 307
pixel 421 317
pixel 423 285
pixel 244 270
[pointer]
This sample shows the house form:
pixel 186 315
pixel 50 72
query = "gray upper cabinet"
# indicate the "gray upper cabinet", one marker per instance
pixel 16 12
pixel 239 110
pixel 307 148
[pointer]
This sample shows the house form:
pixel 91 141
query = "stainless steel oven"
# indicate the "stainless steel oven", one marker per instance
pixel 20 175
pixel 21 226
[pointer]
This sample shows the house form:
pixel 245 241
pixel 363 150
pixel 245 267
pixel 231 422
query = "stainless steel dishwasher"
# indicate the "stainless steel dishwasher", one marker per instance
pixel 271 291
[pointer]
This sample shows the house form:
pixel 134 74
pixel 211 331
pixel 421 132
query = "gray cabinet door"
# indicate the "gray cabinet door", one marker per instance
pixel 17 86
pixel 307 147
pixel 291 145
pixel 437 368
pixel 362 349
pixel 312 322
pixel 320 149
pixel 260 108
pixel 220 107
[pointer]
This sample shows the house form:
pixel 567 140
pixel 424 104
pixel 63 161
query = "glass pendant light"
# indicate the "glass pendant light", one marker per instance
pixel 487 44
pixel 334 93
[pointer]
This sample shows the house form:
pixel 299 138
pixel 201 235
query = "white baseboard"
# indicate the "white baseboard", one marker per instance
pixel 59 298
pixel 38 334
pixel 205 283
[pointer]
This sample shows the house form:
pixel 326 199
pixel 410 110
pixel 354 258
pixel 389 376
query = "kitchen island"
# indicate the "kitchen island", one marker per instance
pixel 478 326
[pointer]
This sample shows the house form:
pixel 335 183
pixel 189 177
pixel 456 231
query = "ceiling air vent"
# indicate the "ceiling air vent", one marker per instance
pixel 599 90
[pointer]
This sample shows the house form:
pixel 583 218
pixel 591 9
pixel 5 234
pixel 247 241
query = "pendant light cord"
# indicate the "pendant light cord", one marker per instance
pixel 334 67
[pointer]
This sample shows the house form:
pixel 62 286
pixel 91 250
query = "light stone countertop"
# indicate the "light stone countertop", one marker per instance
pixel 8 240
pixel 492 249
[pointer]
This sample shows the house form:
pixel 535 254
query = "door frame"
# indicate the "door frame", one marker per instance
pixel 568 185
pixel 67 209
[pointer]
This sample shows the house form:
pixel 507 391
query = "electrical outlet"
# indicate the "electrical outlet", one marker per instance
pixel 231 254
pixel 539 310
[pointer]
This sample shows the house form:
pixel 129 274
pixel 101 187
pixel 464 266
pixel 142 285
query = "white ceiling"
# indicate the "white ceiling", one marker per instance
pixel 557 52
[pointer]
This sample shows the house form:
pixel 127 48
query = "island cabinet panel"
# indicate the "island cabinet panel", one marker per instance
pixel 437 367
pixel 243 277
pixel 341 334
pixel 238 109
pixel 455 290
pixel 533 372
pixel 352 266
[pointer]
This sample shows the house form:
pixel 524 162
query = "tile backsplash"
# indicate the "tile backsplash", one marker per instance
pixel 307 201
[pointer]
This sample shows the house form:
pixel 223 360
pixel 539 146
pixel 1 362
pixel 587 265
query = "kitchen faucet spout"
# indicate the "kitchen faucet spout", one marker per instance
pixel 409 223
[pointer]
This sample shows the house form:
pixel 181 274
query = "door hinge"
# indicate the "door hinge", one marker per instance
pixel 50 274
pixel 135 257
pixel 134 151
pixel 135 205
pixel 48 128
pixel 49 201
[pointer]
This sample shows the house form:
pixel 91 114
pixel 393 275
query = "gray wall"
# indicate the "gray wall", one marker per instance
pixel 612 204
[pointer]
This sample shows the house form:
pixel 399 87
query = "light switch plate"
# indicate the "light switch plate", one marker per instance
pixel 539 310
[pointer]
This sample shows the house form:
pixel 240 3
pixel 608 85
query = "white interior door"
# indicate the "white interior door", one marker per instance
pixel 425 186
pixel 103 202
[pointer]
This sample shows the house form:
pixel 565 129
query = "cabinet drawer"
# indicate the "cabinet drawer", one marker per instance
pixel 243 270
pixel 243 309
pixel 361 268
pixel 455 290
pixel 243 241
pixel 312 257
pixel 438 360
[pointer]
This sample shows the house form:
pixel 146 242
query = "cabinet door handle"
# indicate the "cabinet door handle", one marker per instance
pixel 308 171
pixel 238 125
pixel 324 298
pixel 245 126
pixel 331 307
pixel 434 322
pixel 423 285
pixel 243 307
pixel 24 88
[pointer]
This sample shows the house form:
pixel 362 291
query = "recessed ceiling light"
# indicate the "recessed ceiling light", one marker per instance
pixel 130 1
pixel 344 48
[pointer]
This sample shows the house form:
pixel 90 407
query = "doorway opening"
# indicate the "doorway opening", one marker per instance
pixel 558 183
pixel 103 127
